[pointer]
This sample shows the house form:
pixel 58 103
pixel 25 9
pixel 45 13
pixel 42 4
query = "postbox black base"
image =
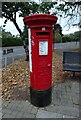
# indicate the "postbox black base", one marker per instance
pixel 40 98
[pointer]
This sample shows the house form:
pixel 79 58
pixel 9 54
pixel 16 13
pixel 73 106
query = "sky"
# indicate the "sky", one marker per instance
pixel 63 22
pixel 11 28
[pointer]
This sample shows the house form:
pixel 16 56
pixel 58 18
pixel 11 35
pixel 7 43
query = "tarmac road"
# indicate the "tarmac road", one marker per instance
pixel 68 45
pixel 18 52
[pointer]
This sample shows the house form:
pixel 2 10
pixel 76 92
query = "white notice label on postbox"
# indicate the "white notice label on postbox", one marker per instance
pixel 43 48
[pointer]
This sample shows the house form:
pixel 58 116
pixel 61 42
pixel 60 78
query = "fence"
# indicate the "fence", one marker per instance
pixel 6 60
pixel 11 54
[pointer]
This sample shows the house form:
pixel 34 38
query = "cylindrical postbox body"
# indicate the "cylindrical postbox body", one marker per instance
pixel 40 28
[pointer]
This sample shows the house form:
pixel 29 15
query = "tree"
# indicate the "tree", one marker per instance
pixel 77 34
pixel 9 40
pixel 6 34
pixel 64 9
pixel 58 28
pixel 57 33
pixel 58 37
pixel 25 35
pixel 10 9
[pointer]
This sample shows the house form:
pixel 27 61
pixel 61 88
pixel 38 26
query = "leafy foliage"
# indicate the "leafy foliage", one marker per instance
pixel 6 42
pixel 63 9
pixel 58 28
pixel 6 34
pixel 77 34
pixel 67 38
pixel 58 37
pixel 72 37
pixel 9 40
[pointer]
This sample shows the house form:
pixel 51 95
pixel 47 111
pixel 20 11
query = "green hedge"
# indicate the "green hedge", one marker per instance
pixel 10 41
pixel 67 39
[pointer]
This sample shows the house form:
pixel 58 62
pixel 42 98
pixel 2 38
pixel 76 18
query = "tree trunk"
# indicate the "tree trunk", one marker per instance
pixel 17 27
pixel 21 34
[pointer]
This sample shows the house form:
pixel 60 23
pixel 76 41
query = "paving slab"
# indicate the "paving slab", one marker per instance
pixel 24 115
pixel 7 111
pixel 46 114
pixel 19 114
pixel 8 116
pixel 34 110
pixel 65 110
pixel 28 115
pixel 23 106
pixel 65 104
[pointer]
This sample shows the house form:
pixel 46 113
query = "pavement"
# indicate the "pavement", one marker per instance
pixel 65 103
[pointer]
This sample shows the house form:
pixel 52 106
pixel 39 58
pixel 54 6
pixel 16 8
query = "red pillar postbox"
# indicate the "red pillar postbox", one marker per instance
pixel 40 28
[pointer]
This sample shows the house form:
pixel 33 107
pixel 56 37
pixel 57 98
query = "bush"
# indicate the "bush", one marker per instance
pixel 67 38
pixel 11 41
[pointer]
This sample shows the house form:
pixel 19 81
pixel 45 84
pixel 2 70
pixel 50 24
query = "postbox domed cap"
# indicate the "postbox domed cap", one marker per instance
pixel 37 20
